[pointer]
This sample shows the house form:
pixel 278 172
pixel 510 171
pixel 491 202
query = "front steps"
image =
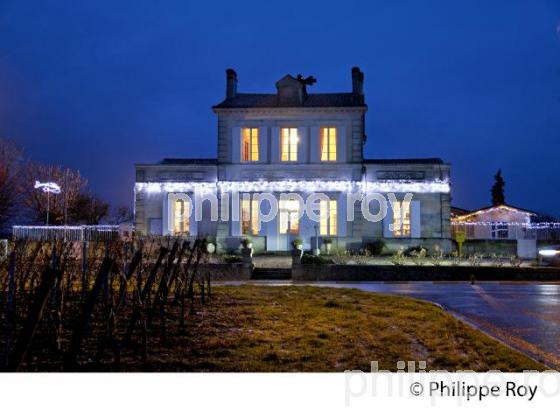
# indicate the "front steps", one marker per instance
pixel 272 274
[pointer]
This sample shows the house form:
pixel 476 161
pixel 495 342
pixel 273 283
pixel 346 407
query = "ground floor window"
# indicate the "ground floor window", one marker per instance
pixel 500 231
pixel 181 214
pixel 401 218
pixel 249 216
pixel 328 215
pixel 288 216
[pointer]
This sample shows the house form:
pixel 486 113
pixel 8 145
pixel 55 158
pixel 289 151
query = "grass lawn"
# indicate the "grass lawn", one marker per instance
pixel 314 329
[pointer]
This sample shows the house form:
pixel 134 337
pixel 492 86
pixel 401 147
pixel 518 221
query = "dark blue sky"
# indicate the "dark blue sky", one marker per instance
pixel 99 85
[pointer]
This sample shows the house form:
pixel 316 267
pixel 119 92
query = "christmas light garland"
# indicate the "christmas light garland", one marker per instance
pixel 436 186
pixel 530 225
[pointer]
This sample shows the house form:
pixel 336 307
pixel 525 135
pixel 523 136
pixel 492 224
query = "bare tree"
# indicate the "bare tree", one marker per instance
pixel 89 209
pixel 71 183
pixel 10 172
pixel 121 214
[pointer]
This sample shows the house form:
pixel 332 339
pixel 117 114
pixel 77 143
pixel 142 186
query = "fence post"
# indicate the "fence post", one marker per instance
pixel 84 269
pixel 10 304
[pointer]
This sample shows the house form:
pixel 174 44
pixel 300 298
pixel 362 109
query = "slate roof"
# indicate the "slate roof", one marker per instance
pixel 244 100
pixel 435 161
pixel 188 161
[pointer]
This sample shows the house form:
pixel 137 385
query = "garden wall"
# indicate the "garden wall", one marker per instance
pixel 226 271
pixel 419 273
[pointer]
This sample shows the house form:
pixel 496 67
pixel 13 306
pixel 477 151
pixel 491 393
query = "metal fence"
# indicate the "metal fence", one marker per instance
pixel 68 233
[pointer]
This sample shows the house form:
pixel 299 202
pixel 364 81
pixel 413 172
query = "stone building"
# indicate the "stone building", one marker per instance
pixel 294 141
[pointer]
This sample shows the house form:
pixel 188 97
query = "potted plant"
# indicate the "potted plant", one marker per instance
pixel 328 244
pixel 247 243
pixel 297 243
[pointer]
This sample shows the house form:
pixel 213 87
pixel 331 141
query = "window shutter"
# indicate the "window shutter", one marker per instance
pixel 341 216
pixel 275 145
pixel 388 220
pixel 193 226
pixel 166 216
pixel 235 228
pixel 314 145
pixel 236 145
pixel 341 144
pixel 415 226
pixel 303 145
pixel 263 144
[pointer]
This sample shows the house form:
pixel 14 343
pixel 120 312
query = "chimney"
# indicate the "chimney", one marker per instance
pixel 357 82
pixel 231 83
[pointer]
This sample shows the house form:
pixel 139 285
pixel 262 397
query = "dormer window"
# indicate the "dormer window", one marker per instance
pixel 289 144
pixel 250 144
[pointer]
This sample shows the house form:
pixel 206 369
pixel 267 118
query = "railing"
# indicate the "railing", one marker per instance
pixel 91 233
pixel 507 230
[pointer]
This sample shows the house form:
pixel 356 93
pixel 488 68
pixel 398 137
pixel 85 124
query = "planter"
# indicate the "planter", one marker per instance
pixel 296 256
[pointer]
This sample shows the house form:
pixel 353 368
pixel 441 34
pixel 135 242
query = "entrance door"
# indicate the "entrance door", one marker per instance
pixel 288 223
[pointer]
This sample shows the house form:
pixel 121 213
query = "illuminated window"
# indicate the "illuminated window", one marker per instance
pixel 250 144
pixel 249 217
pixel 328 215
pixel 288 216
pixel 181 217
pixel 328 144
pixel 289 144
pixel 401 218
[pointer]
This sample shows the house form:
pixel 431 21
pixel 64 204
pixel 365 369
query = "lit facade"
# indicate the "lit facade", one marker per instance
pixel 298 142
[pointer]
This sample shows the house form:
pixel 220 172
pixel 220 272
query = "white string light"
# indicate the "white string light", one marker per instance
pixel 498 208
pixel 157 187
pixel 48 187
pixel 539 225
pixel 436 186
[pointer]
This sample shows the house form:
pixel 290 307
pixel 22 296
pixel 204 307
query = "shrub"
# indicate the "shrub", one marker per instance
pixel 497 260
pixel 437 256
pixel 413 250
pixel 297 242
pixel 475 259
pixel 246 242
pixel 455 258
pixel 398 258
pixel 341 257
pixel 232 259
pixel 376 247
pixel 515 261
pixel 419 257
pixel 327 241
pixel 307 259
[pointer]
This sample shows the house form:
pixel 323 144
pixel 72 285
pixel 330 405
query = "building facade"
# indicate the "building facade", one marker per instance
pixel 294 142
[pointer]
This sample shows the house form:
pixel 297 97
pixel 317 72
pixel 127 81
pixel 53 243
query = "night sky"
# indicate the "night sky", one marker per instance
pixel 99 85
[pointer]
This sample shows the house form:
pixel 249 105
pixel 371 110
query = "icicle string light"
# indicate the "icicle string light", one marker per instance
pixel 539 225
pixel 436 186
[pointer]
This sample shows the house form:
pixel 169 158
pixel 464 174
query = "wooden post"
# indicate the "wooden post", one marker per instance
pixel 80 330
pixel 84 270
pixel 17 357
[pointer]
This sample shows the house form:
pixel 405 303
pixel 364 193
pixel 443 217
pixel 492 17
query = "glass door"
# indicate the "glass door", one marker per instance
pixel 288 222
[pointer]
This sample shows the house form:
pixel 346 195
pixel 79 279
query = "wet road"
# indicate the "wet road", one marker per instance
pixel 524 315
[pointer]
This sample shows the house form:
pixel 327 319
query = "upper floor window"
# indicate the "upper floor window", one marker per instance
pixel 328 144
pixel 328 215
pixel 289 144
pixel 401 218
pixel 250 144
